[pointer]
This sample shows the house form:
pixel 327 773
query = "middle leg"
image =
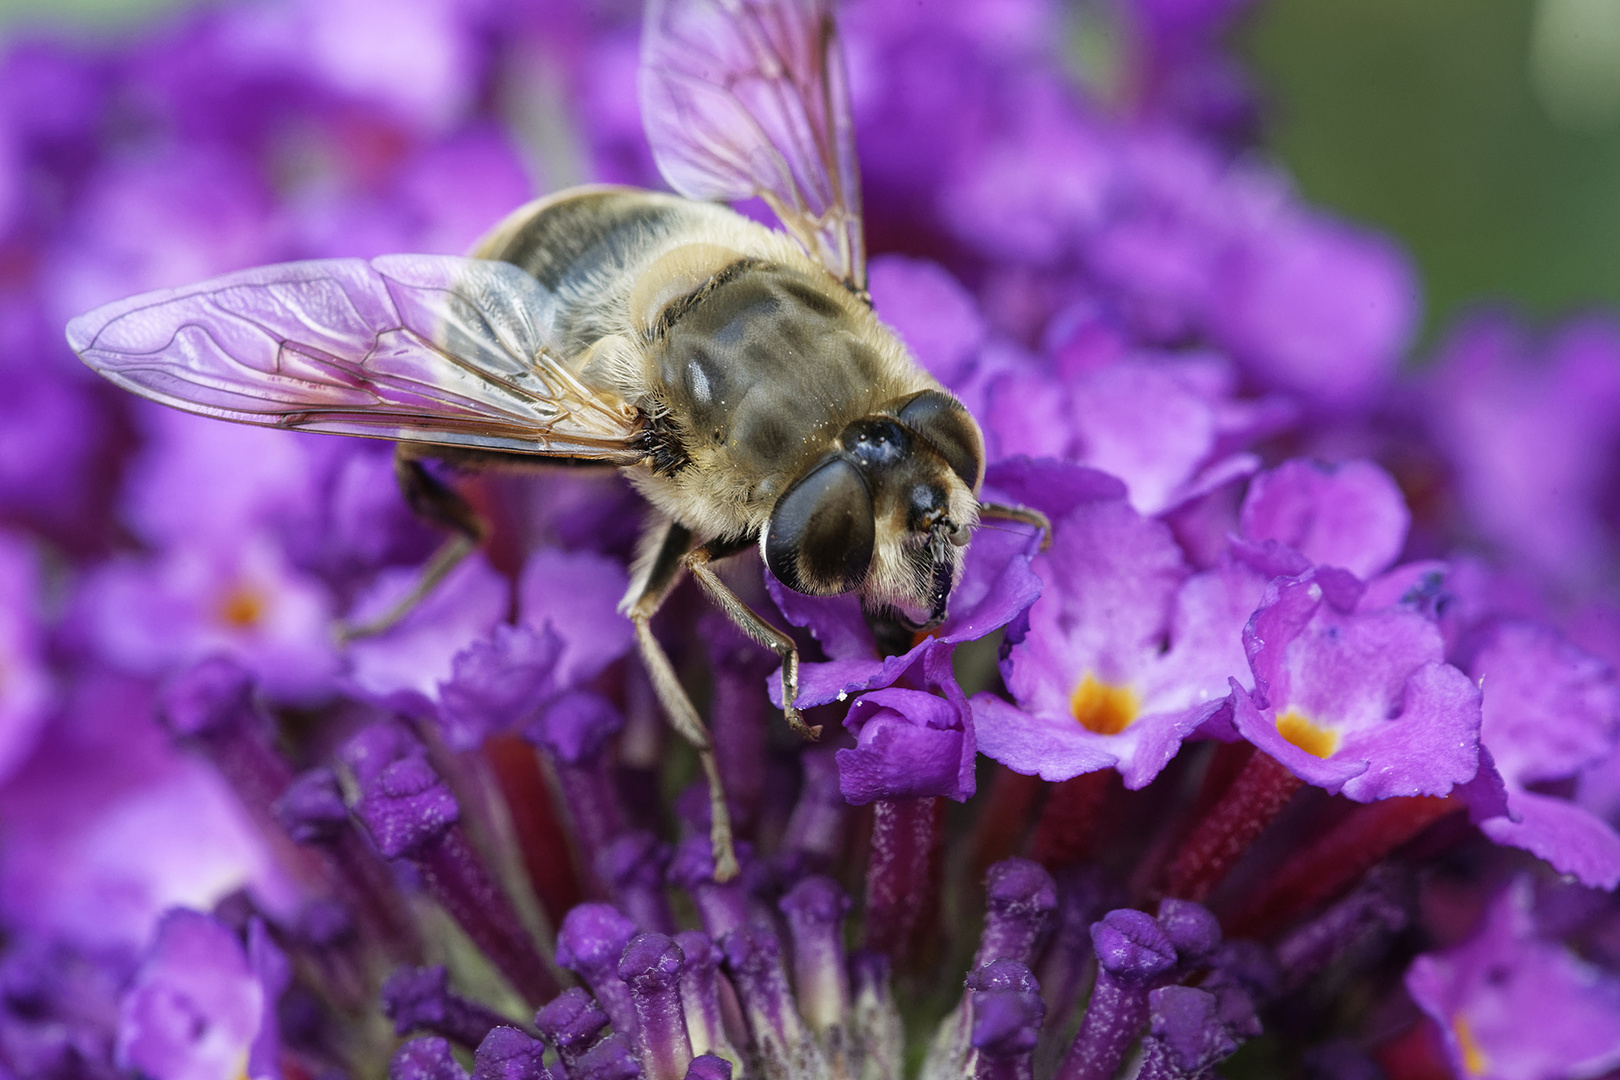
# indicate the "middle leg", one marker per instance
pixel 683 715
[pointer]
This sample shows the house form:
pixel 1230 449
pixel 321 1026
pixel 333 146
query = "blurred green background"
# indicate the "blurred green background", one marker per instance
pixel 1484 134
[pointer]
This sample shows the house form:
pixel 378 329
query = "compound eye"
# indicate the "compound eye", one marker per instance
pixel 940 421
pixel 822 531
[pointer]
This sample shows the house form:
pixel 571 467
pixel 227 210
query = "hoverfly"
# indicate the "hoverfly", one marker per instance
pixel 736 374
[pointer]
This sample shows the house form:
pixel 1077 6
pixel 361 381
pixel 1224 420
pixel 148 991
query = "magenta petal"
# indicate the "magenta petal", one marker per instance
pixel 1350 515
pixel 1259 727
pixel 1037 744
pixel 577 593
pixel 1571 838
pixel 1432 746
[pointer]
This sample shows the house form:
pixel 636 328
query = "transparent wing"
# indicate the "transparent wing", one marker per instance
pixel 749 97
pixel 424 348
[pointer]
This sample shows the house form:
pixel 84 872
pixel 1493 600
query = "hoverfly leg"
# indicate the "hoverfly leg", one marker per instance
pixel 749 622
pixel 432 500
pixel 1023 514
pixel 683 715
pixel 444 560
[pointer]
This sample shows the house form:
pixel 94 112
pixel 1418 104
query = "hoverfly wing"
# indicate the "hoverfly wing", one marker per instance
pixel 749 97
pixel 422 348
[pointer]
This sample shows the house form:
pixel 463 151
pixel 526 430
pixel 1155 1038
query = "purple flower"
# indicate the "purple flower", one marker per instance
pixel 1512 1005
pixel 1167 426
pixel 26 690
pixel 152 615
pixel 576 596
pixel 201 1006
pixel 934 315
pixel 405 665
pixel 1350 516
pixel 1528 429
pixel 1352 700
pixel 1127 653
pixel 1549 712
pixel 914 738
pixel 108 826
pixel 498 685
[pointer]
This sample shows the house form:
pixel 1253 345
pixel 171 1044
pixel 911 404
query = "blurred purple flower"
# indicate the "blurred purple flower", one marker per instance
pixel 1512 1005
pixel 201 1006
pixel 1528 430
pixel 1550 711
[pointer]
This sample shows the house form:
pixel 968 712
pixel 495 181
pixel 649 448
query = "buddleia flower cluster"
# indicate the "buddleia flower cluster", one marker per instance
pixel 1289 751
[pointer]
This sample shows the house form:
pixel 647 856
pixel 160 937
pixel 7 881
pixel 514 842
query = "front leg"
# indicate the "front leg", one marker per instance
pixel 749 622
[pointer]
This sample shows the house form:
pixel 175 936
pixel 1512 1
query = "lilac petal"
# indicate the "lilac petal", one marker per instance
pixel 1307 654
pixel 404 666
pixel 509 1054
pixel 900 751
pixel 427 1058
pixel 1026 414
pixel 1260 728
pixel 498 684
pixel 576 726
pixel 1550 709
pixel 274 973
pixel 997 583
pixel 1514 1006
pixel 577 594
pixel 1138 422
pixel 1052 487
pixel 26 692
pixel 1351 515
pixel 910 742
pixel 836 622
pixel 1036 744
pixel 933 314
pixel 195 1007
pixel 1118 590
pixel 1486 795
pixel 1569 837
pixel 1431 747
pixel 1312 306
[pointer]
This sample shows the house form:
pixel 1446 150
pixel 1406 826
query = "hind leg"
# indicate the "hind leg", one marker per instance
pixel 430 499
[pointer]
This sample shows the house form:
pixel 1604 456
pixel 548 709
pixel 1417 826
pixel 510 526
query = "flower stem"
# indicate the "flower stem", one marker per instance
pixel 1220 838
pixel 1337 860
pixel 541 838
pixel 901 898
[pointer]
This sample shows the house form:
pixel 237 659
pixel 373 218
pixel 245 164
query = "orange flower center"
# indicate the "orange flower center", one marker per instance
pixel 1309 737
pixel 1474 1060
pixel 1102 707
pixel 242 608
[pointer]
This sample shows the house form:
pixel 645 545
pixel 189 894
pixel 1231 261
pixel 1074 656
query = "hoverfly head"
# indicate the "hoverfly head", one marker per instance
pixel 889 512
